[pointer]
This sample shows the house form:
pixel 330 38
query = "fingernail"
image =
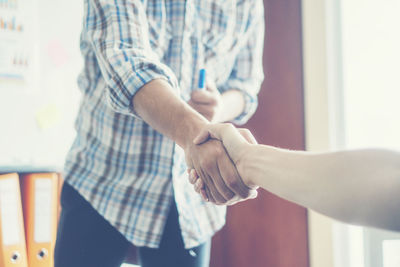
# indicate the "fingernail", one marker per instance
pixel 204 195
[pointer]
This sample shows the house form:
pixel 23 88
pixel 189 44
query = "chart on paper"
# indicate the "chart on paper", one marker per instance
pixel 15 37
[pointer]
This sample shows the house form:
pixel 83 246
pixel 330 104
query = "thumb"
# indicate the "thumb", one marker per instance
pixel 231 138
pixel 202 137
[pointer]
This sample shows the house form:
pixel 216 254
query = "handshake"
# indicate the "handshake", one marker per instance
pixel 225 164
pixel 217 164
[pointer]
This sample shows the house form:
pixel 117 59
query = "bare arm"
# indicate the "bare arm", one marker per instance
pixel 355 186
pixel 359 186
pixel 158 105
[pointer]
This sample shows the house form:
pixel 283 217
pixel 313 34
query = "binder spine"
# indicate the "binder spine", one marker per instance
pixel 12 237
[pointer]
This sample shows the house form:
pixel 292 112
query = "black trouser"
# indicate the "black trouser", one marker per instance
pixel 86 239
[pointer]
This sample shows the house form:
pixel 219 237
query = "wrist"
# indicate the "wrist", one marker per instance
pixel 246 163
pixel 190 126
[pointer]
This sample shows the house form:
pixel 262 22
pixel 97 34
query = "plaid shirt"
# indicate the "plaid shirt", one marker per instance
pixel 129 172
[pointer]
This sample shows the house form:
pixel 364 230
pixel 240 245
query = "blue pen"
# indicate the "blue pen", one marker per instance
pixel 202 79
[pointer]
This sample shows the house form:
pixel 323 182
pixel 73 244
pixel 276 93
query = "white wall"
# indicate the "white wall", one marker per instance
pixel 371 53
pixel 371 84
pixel 37 116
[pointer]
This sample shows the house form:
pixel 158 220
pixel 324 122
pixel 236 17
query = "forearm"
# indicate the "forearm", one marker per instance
pixel 353 186
pixel 163 110
pixel 232 105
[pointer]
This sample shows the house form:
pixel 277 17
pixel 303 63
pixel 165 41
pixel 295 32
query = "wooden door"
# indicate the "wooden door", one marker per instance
pixel 269 231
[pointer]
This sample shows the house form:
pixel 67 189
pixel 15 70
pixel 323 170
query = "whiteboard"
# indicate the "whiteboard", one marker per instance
pixel 37 113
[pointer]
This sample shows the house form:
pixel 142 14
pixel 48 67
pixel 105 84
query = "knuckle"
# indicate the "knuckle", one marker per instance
pixel 224 189
pixel 229 195
pixel 233 183
pixel 245 193
pixel 238 188
pixel 231 179
pixel 219 199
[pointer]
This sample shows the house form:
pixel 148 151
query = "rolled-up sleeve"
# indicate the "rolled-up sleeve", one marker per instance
pixel 118 32
pixel 247 73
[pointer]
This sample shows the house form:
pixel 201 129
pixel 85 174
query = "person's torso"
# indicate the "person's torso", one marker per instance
pixel 119 161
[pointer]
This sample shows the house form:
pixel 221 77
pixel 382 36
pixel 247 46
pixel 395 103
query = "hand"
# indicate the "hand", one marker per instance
pixel 207 102
pixel 235 141
pixel 217 171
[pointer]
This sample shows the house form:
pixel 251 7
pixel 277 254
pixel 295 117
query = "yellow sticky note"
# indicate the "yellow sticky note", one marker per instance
pixel 48 116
